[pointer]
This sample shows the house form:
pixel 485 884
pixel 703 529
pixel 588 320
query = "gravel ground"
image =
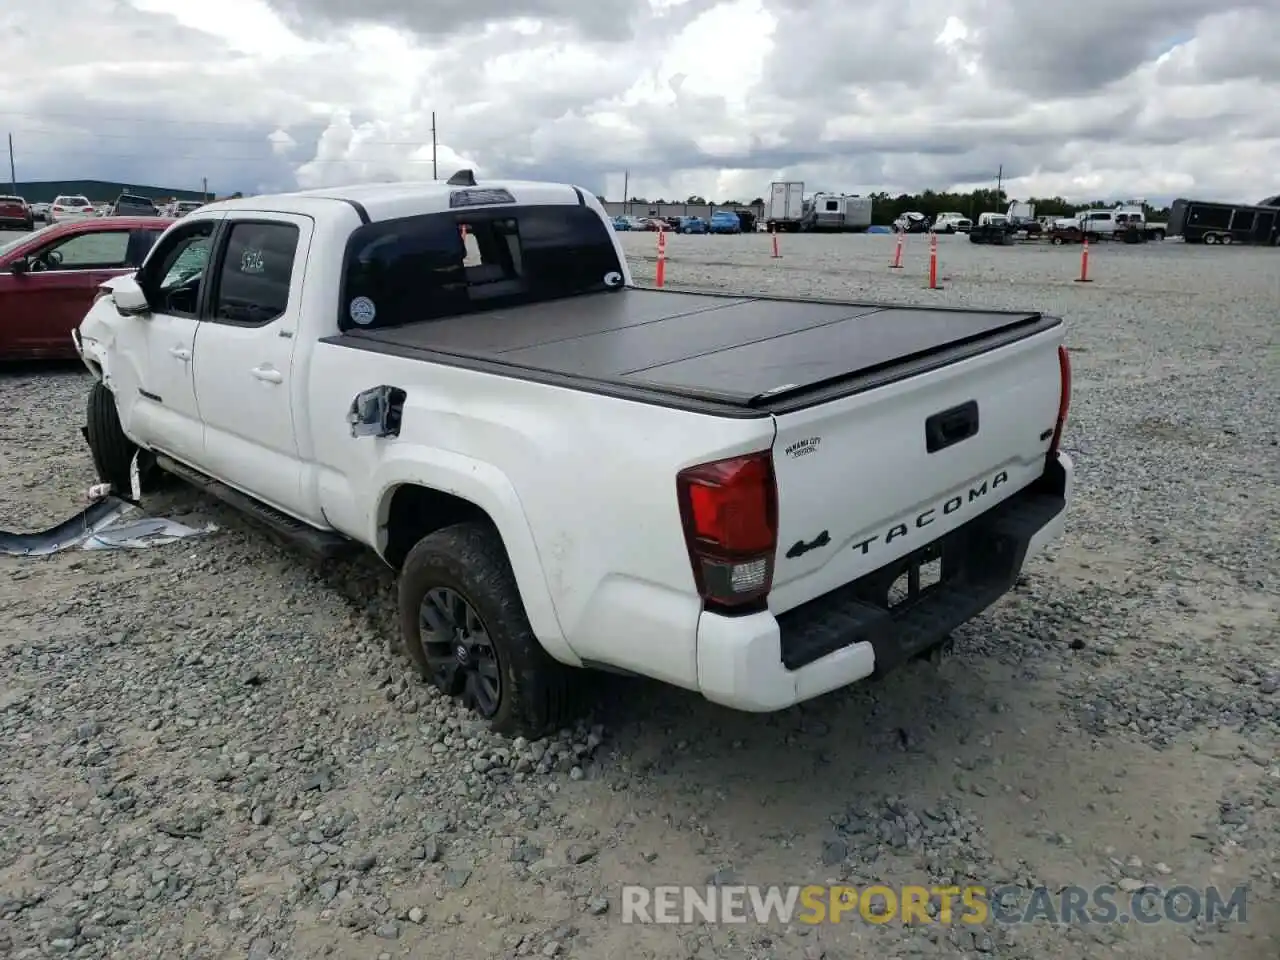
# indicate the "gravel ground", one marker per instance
pixel 209 752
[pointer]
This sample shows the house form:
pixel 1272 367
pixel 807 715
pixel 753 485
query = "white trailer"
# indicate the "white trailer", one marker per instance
pixel 785 208
pixel 857 213
pixel 824 212
pixel 836 213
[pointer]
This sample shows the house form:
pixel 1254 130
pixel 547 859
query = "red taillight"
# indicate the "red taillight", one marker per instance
pixel 86 209
pixel 56 207
pixel 729 509
pixel 1064 399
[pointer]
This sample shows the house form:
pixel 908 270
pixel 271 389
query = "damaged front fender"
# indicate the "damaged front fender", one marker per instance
pixel 89 341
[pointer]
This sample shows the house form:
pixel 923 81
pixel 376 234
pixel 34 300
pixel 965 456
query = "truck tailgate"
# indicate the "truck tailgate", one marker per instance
pixel 868 478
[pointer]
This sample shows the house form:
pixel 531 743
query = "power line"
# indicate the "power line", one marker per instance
pixel 265 141
pixel 208 157
pixel 150 121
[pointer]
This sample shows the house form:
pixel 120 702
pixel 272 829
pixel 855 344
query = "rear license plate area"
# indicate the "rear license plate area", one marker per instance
pixel 914 582
pixel 909 580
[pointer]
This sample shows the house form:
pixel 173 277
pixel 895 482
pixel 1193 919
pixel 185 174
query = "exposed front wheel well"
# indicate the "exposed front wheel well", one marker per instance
pixel 416 512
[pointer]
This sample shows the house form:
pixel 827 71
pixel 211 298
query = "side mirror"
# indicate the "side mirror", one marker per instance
pixel 129 296
pixel 20 266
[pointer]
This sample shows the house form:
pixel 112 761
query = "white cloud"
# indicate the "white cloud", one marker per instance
pixel 282 143
pixel 1143 98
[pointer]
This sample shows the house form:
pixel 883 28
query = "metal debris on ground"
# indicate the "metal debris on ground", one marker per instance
pixel 107 523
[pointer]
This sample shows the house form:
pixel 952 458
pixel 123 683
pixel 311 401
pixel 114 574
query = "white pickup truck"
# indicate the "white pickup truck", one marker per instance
pixel 1127 223
pixel 760 499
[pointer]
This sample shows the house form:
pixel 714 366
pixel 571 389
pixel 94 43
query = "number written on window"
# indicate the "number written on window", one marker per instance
pixel 253 284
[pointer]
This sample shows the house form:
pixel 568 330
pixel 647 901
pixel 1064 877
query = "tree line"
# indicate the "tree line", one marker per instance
pixel 886 208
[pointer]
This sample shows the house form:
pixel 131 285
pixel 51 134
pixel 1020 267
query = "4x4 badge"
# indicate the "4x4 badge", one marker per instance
pixel 801 548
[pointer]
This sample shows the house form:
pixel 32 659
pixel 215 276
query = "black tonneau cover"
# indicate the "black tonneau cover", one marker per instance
pixel 742 351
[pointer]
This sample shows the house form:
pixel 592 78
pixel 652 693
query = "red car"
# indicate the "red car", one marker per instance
pixel 15 214
pixel 48 279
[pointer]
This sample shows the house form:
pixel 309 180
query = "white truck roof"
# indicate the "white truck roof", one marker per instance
pixel 387 201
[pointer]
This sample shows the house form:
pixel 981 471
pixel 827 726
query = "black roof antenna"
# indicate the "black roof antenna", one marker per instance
pixel 463 178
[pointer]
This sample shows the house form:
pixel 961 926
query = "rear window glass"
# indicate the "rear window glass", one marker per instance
pixel 135 202
pixel 449 264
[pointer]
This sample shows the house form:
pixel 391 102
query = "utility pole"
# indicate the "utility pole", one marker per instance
pixel 999 184
pixel 626 192
pixel 204 189
pixel 13 175
pixel 435 173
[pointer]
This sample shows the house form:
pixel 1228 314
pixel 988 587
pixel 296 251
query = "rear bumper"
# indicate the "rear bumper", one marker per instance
pixel 762 663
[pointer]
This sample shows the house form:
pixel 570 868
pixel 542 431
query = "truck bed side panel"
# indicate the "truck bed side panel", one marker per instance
pixel 563 474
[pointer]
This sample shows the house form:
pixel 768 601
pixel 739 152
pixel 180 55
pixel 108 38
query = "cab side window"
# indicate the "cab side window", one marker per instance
pixel 174 273
pixel 255 274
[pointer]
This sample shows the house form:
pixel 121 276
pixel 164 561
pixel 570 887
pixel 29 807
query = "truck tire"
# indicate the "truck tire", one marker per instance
pixel 112 451
pixel 460 580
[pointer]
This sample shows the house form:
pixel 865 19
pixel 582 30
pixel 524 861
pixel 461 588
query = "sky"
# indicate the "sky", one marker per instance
pixel 1092 99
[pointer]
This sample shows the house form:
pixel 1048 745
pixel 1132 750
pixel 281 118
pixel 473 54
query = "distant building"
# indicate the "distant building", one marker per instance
pixel 98 191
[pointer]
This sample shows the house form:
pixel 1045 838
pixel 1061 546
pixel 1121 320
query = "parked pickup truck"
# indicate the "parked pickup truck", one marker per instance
pixel 1127 223
pixel 757 498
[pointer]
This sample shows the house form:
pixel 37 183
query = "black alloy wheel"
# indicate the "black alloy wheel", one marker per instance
pixel 459 651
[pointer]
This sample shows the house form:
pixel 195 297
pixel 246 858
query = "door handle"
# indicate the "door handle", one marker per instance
pixel 180 353
pixel 268 375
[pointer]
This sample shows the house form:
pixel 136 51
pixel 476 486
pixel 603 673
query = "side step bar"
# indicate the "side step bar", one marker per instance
pixel 323 544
